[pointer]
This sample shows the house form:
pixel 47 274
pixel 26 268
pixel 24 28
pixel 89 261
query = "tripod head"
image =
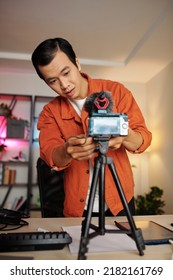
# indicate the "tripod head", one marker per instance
pixel 102 144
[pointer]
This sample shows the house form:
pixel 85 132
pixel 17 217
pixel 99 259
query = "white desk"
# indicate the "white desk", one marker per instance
pixel 155 252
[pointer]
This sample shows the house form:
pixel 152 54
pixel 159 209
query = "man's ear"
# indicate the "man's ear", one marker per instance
pixel 78 64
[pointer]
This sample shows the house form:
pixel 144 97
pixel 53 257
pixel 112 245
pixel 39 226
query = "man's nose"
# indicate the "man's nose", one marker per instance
pixel 63 84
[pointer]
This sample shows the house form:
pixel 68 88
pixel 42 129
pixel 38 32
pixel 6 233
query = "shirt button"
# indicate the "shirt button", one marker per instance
pixel 81 200
pixel 87 171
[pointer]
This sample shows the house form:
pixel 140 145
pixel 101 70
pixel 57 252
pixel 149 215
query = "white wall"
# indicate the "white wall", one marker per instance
pixel 160 109
pixel 140 161
pixel 19 83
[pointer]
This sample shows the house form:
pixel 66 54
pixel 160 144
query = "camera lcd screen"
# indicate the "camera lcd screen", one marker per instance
pixel 107 126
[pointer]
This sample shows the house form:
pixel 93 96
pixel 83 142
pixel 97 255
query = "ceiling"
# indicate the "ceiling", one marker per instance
pixel 125 40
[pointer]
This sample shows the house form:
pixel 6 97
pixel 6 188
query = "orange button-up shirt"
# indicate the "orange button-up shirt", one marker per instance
pixel 58 121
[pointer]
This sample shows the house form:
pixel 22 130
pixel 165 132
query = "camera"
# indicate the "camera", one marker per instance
pixel 103 123
pixel 107 125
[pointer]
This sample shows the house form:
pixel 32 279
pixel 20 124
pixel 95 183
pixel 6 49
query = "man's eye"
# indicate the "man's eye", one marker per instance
pixel 52 82
pixel 66 73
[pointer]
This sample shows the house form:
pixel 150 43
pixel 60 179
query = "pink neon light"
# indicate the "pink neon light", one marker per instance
pixel 14 143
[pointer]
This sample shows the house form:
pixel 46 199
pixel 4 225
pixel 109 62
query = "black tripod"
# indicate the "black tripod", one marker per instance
pixel 99 173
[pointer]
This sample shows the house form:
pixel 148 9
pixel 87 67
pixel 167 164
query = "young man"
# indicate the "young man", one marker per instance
pixel 63 129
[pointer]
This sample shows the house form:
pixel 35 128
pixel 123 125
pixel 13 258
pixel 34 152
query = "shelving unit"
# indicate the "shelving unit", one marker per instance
pixel 26 107
pixel 22 109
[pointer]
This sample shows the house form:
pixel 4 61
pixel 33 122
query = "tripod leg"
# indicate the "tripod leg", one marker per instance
pixel 102 198
pixel 136 233
pixel 86 223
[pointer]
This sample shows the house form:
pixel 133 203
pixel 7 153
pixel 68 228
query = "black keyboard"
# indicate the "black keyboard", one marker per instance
pixel 31 241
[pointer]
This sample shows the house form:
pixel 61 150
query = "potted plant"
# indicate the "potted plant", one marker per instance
pixel 5 110
pixel 2 149
pixel 150 203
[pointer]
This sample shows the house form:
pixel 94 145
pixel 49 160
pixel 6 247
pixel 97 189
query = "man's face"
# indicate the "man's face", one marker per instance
pixel 63 76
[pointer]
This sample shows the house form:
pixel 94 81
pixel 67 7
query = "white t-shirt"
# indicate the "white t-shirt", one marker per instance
pixel 77 105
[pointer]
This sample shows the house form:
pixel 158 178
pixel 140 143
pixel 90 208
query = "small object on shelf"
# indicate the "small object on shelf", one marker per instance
pixel 20 157
pixel 16 128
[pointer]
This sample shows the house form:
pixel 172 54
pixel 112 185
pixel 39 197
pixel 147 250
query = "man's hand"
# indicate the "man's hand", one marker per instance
pixel 131 142
pixel 115 142
pixel 80 147
pixel 76 147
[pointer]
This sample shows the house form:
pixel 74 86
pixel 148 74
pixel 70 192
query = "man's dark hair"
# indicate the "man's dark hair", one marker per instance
pixel 46 51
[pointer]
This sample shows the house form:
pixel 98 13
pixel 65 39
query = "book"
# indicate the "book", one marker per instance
pixel 13 207
pixel 12 176
pixel 9 176
pixel 1 173
pixel 6 176
pixel 19 203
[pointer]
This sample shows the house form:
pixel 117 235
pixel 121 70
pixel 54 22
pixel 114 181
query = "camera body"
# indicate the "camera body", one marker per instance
pixel 108 124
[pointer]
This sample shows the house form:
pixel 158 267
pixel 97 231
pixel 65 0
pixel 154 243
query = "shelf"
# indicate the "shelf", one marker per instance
pixel 16 139
pixel 14 185
pixel 18 97
pixel 43 98
pixel 14 162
